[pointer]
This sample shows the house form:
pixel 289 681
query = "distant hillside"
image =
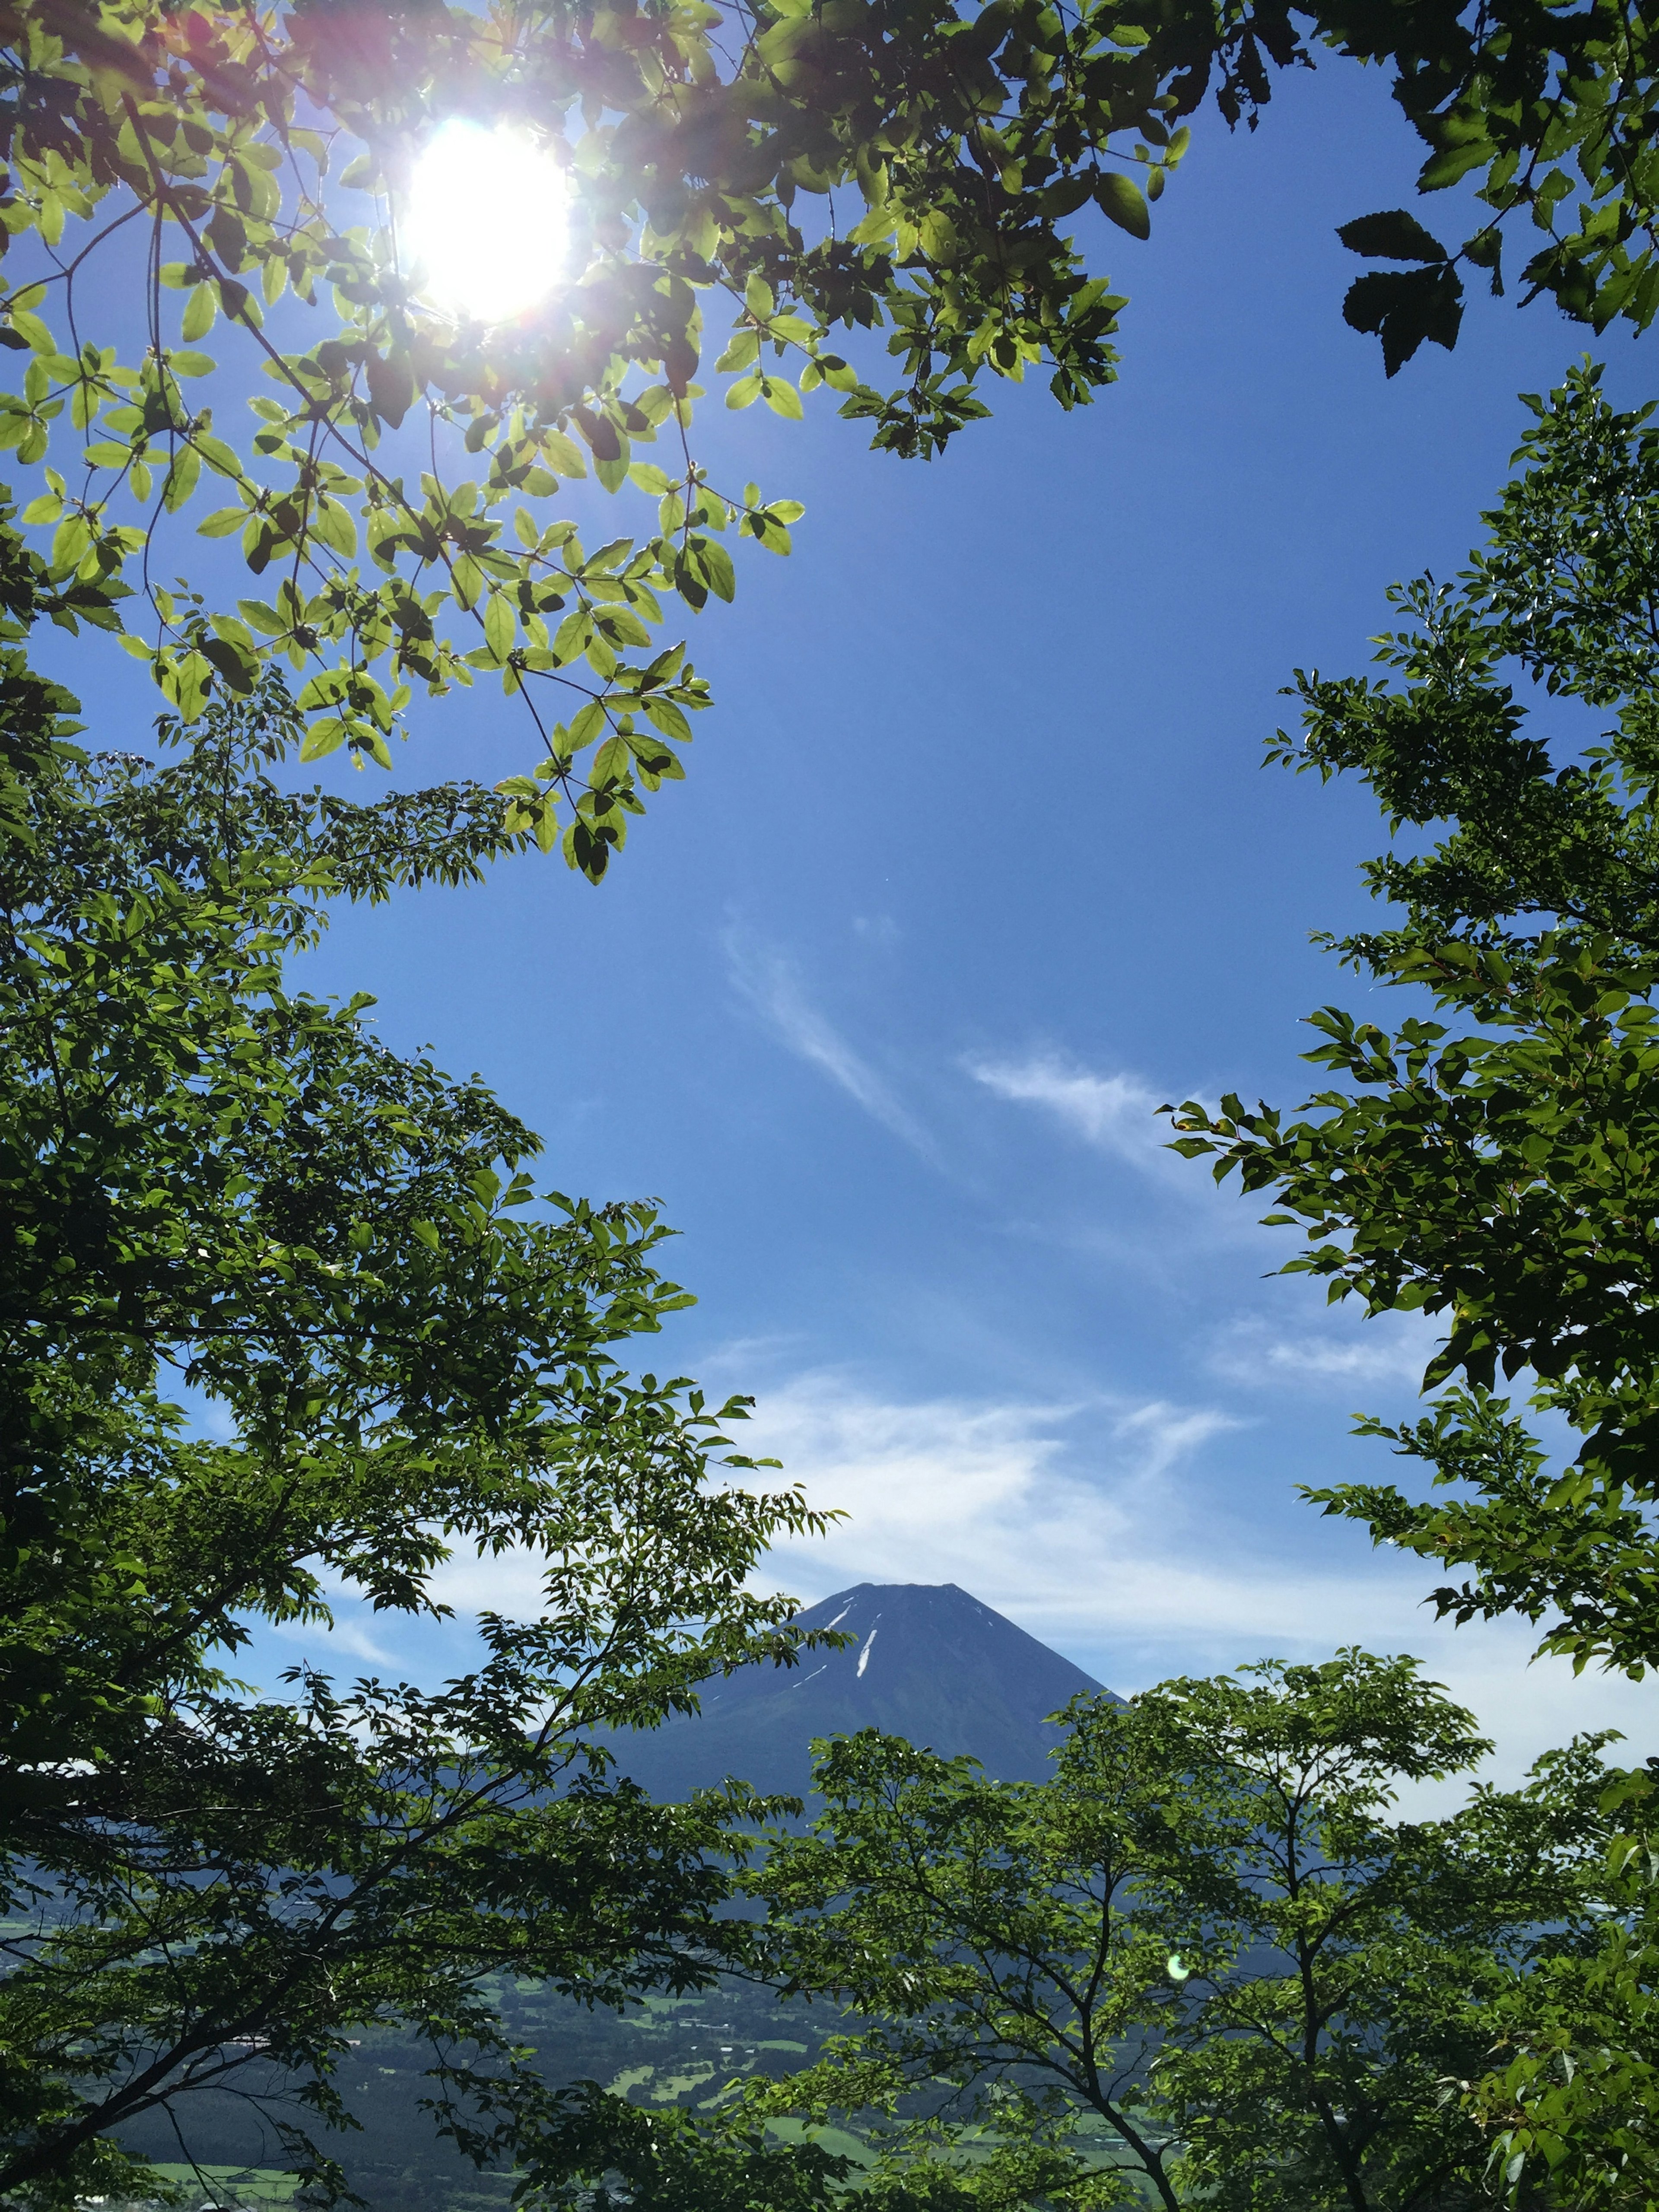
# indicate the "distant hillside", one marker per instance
pixel 931 1664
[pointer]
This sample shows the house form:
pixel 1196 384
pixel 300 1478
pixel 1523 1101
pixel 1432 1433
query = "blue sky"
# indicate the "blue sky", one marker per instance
pixel 975 867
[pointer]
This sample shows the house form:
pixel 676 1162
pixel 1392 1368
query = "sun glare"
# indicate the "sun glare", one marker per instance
pixel 483 234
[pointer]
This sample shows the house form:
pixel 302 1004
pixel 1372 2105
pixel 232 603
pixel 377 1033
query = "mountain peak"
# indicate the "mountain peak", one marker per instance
pixel 928 1661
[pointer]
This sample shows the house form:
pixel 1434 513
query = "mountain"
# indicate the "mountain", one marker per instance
pixel 930 1663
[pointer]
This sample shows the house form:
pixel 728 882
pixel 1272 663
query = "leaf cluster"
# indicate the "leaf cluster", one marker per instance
pixel 1574 2090
pixel 797 168
pixel 1492 1166
pixel 284 1323
pixel 1206 1930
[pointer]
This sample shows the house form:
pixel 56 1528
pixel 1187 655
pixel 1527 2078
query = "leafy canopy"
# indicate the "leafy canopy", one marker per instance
pixel 1205 1931
pixel 1496 1166
pixel 756 177
pixel 225 1196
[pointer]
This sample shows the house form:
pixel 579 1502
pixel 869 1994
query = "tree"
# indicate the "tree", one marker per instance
pixel 602 2153
pixel 238 164
pixel 1205 1931
pixel 1575 2092
pixel 1492 1167
pixel 1497 1165
pixel 221 1192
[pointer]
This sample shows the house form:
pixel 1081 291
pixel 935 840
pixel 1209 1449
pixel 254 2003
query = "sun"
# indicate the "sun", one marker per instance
pixel 482 231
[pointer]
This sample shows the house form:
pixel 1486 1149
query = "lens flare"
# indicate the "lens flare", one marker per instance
pixel 482 233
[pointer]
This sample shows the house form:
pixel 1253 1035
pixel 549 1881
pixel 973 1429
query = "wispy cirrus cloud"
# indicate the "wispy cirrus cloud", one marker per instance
pixel 1389 1351
pixel 1112 1531
pixel 771 984
pixel 1068 1517
pixel 1116 1114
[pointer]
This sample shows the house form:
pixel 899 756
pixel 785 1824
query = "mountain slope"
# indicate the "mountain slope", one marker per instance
pixel 931 1664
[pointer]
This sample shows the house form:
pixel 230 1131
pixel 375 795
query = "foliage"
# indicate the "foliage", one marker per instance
pixel 799 166
pixel 285 1322
pixel 1205 1930
pixel 36 715
pixel 1503 1178
pixel 602 2153
pixel 1575 2092
pixel 1494 1167
pixel 1542 830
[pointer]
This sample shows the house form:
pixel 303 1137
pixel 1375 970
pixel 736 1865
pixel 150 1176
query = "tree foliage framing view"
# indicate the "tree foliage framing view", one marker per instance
pixel 1495 1167
pixel 222 1194
pixel 219 1190
pixel 756 178
pixel 1208 1946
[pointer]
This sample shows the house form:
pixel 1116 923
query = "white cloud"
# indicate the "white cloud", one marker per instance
pixel 1526 1706
pixel 1101 1530
pixel 1389 1351
pixel 772 985
pixel 1112 1531
pixel 348 1637
pixel 1114 1113
pixel 1086 1522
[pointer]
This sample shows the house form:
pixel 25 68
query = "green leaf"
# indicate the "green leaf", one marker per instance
pixel 218 455
pixel 1404 308
pixel 326 688
pixel 69 541
pixel 613 761
pixel 181 478
pixel 621 625
pixel 322 739
pixel 499 625
pixel 1394 235
pixel 669 719
pixel 562 453
pixel 1120 200
pixel 331 525
pixel 587 723
pixel 744 349
pixel 717 567
pixel 200 311
pixel 238 667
